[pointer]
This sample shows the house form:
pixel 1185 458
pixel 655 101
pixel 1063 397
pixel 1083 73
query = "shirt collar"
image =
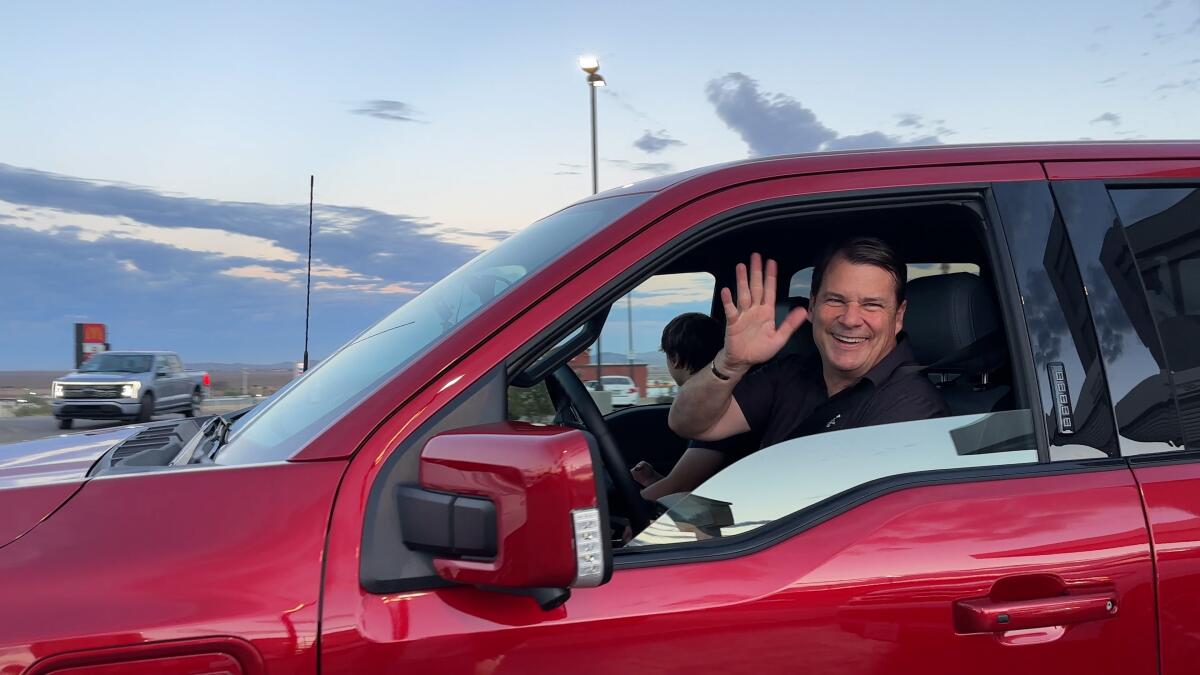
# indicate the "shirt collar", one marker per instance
pixel 900 355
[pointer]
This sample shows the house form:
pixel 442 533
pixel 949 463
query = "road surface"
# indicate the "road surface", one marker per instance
pixel 17 429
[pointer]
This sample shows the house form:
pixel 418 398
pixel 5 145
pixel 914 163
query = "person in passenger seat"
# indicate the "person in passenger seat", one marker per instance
pixel 862 374
pixel 690 341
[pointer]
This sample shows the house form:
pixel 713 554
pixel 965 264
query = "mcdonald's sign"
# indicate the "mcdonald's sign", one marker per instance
pixel 90 338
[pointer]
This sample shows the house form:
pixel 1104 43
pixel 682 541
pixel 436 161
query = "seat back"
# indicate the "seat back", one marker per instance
pixel 954 329
pixel 801 341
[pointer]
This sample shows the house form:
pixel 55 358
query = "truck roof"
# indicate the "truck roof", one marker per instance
pixel 850 160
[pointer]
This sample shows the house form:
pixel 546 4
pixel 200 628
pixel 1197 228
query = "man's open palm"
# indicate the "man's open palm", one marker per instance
pixel 751 336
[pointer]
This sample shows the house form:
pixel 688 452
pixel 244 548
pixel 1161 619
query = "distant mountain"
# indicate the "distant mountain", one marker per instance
pixel 282 366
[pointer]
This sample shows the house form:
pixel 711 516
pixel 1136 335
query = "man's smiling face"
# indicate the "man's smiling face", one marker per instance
pixel 855 320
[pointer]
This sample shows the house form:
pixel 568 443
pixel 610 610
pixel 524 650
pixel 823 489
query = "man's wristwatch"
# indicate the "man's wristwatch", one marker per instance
pixel 718 374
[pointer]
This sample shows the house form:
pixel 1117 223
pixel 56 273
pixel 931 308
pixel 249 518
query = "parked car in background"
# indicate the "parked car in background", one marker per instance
pixel 388 511
pixel 128 385
pixel 624 391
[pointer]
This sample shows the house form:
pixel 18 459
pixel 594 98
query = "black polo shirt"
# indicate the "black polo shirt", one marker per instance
pixel 787 398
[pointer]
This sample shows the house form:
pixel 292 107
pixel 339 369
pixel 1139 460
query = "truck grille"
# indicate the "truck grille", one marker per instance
pixel 91 391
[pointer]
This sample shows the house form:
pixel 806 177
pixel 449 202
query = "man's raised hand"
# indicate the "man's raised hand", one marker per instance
pixel 751 336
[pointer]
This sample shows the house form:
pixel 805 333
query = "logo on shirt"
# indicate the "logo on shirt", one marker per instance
pixel 833 421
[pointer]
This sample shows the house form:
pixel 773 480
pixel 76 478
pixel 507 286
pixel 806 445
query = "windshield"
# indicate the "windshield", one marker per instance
pixel 322 395
pixel 117 363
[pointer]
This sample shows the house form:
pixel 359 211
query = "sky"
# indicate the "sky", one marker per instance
pixel 155 157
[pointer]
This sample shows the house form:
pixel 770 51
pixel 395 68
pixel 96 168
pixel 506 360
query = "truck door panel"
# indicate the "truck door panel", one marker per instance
pixel 1137 236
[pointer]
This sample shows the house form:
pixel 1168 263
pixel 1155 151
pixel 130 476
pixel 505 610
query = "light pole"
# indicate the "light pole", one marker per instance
pixel 591 66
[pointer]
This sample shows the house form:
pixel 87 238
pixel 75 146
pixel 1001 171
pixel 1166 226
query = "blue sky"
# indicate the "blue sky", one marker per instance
pixel 154 158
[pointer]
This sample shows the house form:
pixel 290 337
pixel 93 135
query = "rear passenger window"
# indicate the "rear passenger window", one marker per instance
pixel 1162 226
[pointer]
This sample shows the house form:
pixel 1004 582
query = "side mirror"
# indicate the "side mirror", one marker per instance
pixel 511 506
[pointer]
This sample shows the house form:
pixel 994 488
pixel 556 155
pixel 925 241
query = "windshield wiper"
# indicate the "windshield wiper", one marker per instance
pixel 220 427
pixel 226 424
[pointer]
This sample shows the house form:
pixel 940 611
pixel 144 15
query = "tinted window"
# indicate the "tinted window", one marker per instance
pixel 1162 226
pixel 788 477
pixel 353 372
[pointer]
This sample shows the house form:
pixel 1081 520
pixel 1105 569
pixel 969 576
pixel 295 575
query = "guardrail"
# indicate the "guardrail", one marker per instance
pixel 223 404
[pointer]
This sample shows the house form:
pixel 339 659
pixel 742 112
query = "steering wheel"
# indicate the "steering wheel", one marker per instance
pixel 585 406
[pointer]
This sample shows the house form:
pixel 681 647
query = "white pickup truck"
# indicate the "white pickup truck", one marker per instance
pixel 128 386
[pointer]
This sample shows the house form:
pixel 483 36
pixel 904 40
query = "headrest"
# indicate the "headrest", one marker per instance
pixel 948 313
pixel 801 341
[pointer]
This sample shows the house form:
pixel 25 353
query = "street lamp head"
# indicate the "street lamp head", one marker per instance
pixel 589 64
pixel 596 80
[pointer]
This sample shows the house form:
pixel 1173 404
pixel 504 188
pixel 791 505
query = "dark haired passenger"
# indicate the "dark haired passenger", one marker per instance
pixel 860 378
pixel 690 341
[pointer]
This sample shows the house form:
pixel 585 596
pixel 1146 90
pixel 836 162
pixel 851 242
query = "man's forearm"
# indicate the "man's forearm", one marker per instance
pixel 703 400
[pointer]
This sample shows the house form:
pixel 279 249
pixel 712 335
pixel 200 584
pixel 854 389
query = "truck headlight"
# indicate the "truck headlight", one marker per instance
pixel 56 390
pixel 130 389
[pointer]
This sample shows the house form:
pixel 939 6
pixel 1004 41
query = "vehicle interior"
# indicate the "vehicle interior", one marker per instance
pixel 954 322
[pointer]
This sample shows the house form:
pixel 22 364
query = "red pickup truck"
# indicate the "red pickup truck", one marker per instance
pixel 391 510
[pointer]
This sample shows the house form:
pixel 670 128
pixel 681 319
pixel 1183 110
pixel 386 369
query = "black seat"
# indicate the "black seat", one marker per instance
pixel 954 329
pixel 801 341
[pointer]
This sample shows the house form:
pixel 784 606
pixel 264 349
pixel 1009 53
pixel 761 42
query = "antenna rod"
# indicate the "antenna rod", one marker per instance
pixel 308 280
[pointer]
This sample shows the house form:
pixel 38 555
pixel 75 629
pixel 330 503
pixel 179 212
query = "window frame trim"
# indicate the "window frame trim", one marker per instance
pixel 977 196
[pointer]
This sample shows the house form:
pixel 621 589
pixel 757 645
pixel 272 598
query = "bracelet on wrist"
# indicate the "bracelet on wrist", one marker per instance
pixel 718 374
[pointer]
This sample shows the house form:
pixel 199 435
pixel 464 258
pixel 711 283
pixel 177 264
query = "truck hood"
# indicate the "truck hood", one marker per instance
pixel 37 477
pixel 98 377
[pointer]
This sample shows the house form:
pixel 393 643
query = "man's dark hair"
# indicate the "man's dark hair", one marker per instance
pixel 692 340
pixel 864 251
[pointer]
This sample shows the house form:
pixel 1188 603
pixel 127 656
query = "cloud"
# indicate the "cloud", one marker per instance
pixel 666 290
pixel 655 142
pixel 773 123
pixel 1110 117
pixel 565 169
pixel 875 139
pixel 910 120
pixel 92 228
pixel 395 111
pixel 657 168
pixel 1187 84
pixel 623 103
pixel 768 123
pixel 217 281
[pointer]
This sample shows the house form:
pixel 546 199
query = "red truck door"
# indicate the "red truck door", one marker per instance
pixel 1007 537
pixel 1136 228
